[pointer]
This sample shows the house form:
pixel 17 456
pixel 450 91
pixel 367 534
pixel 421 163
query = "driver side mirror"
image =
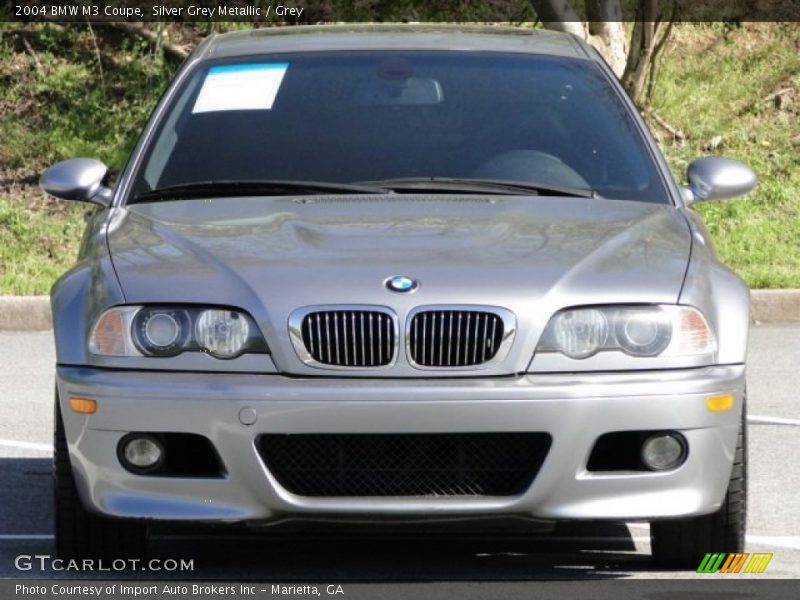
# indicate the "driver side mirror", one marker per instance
pixel 717 178
pixel 79 179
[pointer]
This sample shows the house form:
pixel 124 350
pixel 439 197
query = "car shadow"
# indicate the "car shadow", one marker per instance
pixel 26 496
pixel 570 551
pixel 573 551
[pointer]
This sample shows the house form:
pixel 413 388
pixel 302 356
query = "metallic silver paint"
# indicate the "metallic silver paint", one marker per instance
pixel 719 293
pixel 717 178
pixel 268 256
pixel 78 179
pixel 576 409
pixel 391 37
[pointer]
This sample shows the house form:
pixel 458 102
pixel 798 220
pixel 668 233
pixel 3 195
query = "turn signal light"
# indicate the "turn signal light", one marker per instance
pixel 83 405
pixel 720 403
pixel 108 336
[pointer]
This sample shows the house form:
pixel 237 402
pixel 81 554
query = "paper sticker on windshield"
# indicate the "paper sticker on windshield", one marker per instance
pixel 240 87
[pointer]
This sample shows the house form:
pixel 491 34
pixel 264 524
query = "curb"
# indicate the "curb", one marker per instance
pixel 775 306
pixel 32 313
pixel 25 313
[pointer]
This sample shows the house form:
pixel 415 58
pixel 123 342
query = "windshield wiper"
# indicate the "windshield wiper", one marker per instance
pixel 478 186
pixel 272 187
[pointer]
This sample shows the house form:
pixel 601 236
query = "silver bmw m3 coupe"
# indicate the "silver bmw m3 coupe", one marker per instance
pixel 399 275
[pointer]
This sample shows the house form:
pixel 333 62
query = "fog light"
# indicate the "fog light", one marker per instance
pixel 662 451
pixel 141 452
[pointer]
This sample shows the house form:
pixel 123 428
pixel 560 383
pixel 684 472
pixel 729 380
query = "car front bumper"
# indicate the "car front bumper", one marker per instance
pixel 575 409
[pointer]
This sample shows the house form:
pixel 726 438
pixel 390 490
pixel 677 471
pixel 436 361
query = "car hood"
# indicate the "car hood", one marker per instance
pixel 532 255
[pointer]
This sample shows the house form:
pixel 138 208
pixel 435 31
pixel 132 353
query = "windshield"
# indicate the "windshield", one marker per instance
pixel 354 117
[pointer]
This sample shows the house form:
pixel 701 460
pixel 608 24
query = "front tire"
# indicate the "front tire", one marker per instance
pixel 79 533
pixel 682 543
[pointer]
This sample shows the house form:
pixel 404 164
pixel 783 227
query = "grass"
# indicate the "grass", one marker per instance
pixel 36 246
pixel 57 101
pixel 715 81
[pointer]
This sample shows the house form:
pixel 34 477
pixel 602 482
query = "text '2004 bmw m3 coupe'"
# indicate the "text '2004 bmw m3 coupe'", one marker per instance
pixel 398 275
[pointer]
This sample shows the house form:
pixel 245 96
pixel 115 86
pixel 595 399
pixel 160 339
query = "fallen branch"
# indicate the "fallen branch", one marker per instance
pixel 98 57
pixel 677 134
pixel 32 52
pixel 139 30
pixel 29 179
pixel 758 103
pixel 151 36
pixel 771 97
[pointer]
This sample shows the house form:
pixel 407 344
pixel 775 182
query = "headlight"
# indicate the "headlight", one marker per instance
pixel 162 331
pixel 642 331
pixel 653 330
pixel 222 333
pixel 580 333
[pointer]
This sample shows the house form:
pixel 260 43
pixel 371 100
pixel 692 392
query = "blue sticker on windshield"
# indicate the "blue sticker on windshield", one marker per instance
pixel 240 87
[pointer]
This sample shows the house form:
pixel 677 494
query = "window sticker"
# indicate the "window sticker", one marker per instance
pixel 240 87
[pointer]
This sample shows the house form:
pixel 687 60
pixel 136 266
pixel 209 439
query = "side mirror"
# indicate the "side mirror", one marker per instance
pixel 717 178
pixel 78 179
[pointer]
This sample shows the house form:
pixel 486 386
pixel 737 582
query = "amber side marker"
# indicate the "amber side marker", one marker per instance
pixel 83 405
pixel 720 403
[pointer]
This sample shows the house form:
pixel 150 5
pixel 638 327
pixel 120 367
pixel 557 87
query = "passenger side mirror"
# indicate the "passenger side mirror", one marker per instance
pixel 80 179
pixel 717 178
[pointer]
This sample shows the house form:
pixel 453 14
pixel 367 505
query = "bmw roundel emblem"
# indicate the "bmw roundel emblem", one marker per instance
pixel 402 284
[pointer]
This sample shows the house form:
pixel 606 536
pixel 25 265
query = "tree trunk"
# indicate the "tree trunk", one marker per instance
pixel 559 16
pixel 607 32
pixel 641 51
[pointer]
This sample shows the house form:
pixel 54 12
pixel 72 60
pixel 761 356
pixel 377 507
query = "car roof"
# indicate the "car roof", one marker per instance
pixel 322 38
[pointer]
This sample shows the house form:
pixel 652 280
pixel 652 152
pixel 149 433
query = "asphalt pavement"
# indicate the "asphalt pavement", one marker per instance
pixel 588 551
